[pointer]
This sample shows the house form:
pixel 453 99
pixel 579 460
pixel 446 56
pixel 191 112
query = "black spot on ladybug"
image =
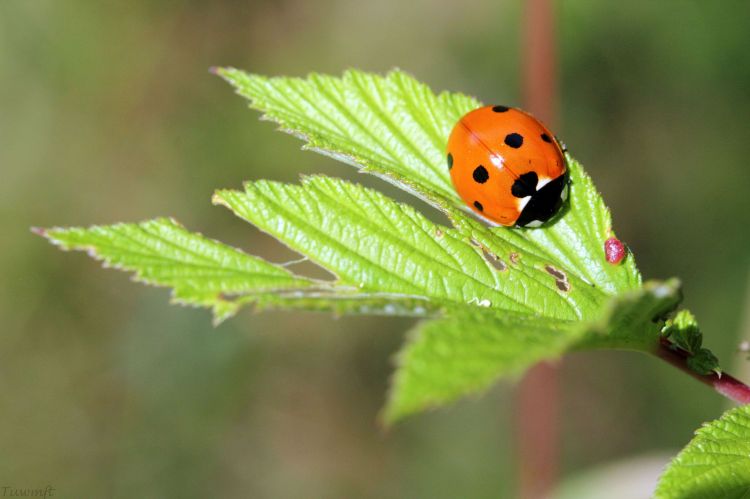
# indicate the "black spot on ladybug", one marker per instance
pixel 478 206
pixel 546 138
pixel 450 161
pixel 525 185
pixel 514 140
pixel 481 175
pixel 500 109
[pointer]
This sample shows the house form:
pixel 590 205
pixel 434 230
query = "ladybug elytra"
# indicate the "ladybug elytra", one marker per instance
pixel 507 166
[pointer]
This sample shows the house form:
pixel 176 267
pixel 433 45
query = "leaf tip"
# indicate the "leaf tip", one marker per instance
pixel 55 235
pixel 223 310
pixel 221 71
pixel 666 288
pixel 388 417
pixel 39 231
pixel 235 77
pixel 219 198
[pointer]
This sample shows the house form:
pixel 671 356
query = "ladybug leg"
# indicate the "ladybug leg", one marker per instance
pixel 563 147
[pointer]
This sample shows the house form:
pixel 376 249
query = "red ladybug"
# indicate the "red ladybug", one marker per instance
pixel 507 166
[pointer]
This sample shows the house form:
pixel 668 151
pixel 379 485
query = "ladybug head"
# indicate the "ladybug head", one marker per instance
pixel 544 203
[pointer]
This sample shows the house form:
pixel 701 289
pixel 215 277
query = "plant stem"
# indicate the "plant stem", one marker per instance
pixel 537 412
pixel 727 385
pixel 537 427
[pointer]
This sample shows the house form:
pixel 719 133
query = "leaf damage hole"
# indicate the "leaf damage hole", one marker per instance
pixel 561 278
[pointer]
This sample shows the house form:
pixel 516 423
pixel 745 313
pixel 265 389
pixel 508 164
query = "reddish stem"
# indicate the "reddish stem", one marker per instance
pixel 537 411
pixel 727 385
pixel 537 427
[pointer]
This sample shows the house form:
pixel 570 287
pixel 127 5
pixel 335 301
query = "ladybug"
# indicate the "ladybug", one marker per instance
pixel 507 166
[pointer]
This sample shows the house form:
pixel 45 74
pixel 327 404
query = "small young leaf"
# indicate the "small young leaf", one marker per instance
pixel 715 464
pixel 703 362
pixel 684 332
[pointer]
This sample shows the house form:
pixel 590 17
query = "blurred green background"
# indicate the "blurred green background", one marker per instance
pixel 108 113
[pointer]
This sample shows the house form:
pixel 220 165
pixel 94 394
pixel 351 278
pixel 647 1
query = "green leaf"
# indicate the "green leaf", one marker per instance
pixel 576 238
pixel 340 116
pixel 161 252
pixel 377 245
pixel 394 126
pixel 446 359
pixel 716 463
pixel 465 353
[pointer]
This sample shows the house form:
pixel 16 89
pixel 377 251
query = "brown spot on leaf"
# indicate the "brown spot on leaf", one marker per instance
pixel 514 258
pixel 557 274
pixel 494 260
pixel 561 278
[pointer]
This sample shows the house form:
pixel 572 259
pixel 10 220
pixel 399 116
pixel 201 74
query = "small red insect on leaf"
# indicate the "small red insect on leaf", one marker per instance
pixel 614 250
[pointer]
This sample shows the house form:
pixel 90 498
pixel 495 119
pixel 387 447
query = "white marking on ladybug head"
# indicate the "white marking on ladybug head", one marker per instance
pixel 534 223
pixel 564 193
pixel 542 182
pixel 522 202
